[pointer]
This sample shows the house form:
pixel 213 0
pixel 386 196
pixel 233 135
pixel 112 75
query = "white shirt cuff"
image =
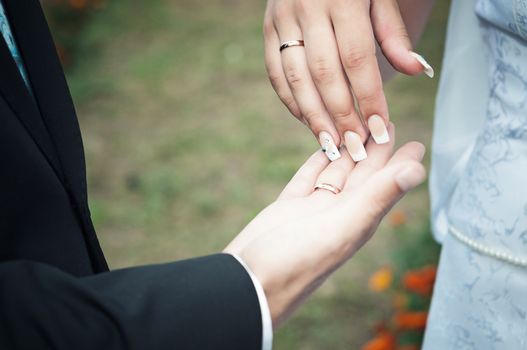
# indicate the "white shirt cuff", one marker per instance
pixel 267 323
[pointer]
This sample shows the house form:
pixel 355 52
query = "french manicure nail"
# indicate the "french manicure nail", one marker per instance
pixel 354 145
pixel 428 68
pixel 328 146
pixel 378 129
pixel 409 178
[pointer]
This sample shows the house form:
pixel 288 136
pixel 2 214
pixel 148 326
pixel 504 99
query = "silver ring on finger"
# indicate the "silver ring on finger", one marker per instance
pixel 327 187
pixel 291 43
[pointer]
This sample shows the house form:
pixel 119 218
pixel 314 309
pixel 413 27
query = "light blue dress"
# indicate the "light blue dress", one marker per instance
pixel 479 180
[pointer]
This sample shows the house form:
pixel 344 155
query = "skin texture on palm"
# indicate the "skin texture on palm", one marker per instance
pixel 294 244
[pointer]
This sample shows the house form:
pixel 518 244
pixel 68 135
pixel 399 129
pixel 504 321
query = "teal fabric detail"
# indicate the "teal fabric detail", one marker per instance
pixel 11 44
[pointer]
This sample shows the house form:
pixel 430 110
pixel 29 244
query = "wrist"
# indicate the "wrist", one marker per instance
pixel 287 283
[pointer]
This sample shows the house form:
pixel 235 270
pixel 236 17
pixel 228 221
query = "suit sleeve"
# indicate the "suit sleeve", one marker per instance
pixel 202 303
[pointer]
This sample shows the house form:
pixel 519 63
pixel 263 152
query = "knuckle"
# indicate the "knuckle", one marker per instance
pixel 355 58
pixel 293 76
pixel 370 97
pixel 342 113
pixel 312 118
pixel 275 79
pixel 323 72
pixel 400 32
pixel 302 6
pixel 397 35
pixel 268 28
pixel 282 12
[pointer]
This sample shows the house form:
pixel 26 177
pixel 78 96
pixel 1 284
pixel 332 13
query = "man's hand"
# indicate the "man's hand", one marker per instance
pixel 293 245
pixel 340 38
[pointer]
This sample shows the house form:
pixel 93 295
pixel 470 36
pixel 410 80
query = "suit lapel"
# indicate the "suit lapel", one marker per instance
pixel 49 87
pixel 56 107
pixel 16 94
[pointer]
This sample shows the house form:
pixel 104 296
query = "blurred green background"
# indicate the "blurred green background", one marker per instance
pixel 186 142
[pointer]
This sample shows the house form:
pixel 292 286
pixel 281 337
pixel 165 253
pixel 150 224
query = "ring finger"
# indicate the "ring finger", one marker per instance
pixel 332 179
pixel 273 64
pixel 310 104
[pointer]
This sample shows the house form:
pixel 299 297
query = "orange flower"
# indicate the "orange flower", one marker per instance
pixel 410 320
pixel 397 218
pixel 382 341
pixel 420 281
pixel 381 279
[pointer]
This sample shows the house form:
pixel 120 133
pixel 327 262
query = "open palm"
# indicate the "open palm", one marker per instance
pixel 297 241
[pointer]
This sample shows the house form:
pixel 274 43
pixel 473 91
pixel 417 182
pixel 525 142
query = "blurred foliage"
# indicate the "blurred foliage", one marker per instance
pixel 68 18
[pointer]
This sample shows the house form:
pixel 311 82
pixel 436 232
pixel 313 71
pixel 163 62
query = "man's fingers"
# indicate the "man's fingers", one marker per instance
pixel 356 45
pixel 379 193
pixel 406 166
pixel 326 70
pixel 335 175
pixel 303 181
pixel 273 64
pixel 392 36
pixel 388 185
pixel 410 151
pixel 378 155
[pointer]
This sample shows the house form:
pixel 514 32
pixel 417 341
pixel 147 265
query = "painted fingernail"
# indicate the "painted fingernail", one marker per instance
pixel 354 145
pixel 378 129
pixel 328 146
pixel 428 68
pixel 409 178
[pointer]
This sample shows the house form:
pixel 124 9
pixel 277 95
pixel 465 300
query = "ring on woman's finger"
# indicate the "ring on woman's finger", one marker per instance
pixel 291 43
pixel 327 187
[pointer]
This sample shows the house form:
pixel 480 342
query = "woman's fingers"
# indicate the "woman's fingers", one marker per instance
pixel 392 36
pixel 306 96
pixel 304 180
pixel 302 86
pixel 334 175
pixel 340 39
pixel 356 45
pixel 273 64
pixel 327 73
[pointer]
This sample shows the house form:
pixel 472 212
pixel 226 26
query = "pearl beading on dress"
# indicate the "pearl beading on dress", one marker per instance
pixel 497 254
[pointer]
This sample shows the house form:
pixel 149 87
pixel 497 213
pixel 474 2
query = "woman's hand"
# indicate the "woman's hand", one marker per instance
pixel 294 244
pixel 340 38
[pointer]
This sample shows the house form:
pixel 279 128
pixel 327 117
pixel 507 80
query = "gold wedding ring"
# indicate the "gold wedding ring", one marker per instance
pixel 328 187
pixel 291 43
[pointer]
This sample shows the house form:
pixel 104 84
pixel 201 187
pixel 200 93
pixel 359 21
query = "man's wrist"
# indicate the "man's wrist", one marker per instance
pixel 267 322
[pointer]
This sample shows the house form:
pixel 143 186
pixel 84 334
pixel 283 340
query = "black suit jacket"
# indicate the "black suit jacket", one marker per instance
pixel 55 288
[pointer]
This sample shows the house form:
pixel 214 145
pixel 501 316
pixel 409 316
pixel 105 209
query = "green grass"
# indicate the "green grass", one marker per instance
pixel 186 142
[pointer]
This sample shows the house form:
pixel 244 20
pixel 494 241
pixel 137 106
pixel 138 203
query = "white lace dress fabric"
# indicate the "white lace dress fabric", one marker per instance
pixel 479 179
